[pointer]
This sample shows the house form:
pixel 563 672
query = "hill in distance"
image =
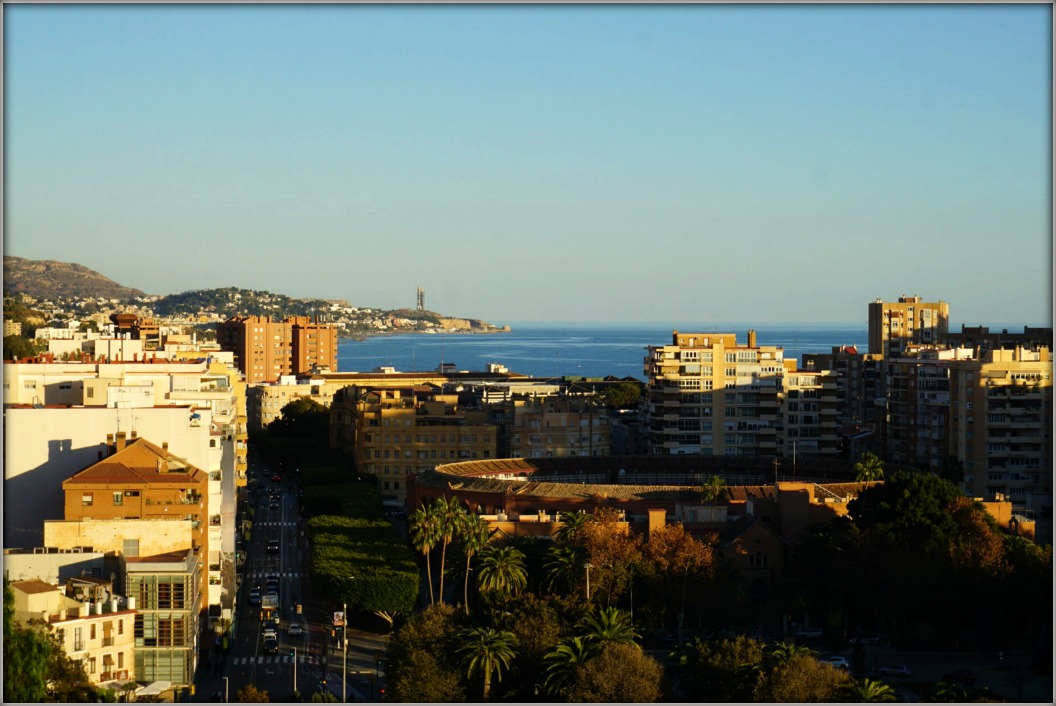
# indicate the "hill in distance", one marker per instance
pixel 49 279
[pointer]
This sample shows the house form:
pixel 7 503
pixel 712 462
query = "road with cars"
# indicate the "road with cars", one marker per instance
pixel 282 637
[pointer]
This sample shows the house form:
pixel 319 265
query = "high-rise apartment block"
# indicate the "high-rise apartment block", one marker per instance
pixel 265 350
pixel 893 325
pixel 708 395
pixel 951 410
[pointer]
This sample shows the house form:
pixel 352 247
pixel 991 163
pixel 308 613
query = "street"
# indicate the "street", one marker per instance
pixel 276 516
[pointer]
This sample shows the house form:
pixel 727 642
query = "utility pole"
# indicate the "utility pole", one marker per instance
pixel 295 669
pixel 344 654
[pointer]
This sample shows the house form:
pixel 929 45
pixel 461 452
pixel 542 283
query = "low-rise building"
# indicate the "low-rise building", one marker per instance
pixel 97 633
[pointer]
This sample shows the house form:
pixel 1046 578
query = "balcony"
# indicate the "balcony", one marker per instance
pixel 108 641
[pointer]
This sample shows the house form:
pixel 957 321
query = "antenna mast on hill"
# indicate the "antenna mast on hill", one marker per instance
pixel 421 299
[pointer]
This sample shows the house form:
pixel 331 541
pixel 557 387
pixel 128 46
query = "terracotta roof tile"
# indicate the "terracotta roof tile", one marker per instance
pixel 33 586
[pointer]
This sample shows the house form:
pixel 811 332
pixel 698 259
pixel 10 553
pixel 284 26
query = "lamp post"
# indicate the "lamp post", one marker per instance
pixel 588 567
pixel 344 654
pixel 225 690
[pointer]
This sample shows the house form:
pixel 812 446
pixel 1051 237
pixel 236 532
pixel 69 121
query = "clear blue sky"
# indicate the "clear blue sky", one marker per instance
pixel 761 163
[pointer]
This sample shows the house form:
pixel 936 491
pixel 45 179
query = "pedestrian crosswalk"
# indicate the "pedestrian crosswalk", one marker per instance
pixel 275 524
pixel 280 574
pixel 264 659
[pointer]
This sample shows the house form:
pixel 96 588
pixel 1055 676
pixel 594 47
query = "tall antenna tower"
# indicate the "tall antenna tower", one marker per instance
pixel 421 299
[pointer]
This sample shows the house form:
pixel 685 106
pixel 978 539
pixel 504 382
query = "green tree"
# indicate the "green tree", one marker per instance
pixel 783 652
pixel 17 347
pixel 714 489
pixel 564 563
pixel 538 627
pixel 610 625
pixel 869 467
pixel 421 663
pixel 448 514
pixel 563 663
pixel 474 533
pixel 869 691
pixel 571 525
pixel 302 418
pixel 501 569
pixel 619 673
pixel 486 651
pixel 425 534
pixel 26 654
pixel 723 670
pixel 622 395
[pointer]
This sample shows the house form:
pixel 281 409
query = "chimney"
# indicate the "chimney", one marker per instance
pixel 120 441
pixel 165 446
pixel 134 435
pixel 751 338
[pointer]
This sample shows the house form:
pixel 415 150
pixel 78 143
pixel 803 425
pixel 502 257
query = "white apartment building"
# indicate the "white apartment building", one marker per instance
pixel 708 395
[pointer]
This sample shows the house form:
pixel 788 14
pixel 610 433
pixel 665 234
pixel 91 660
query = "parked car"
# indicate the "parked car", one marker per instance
pixel 895 670
pixel 959 676
pixel 837 661
pixel 294 629
pixel 809 632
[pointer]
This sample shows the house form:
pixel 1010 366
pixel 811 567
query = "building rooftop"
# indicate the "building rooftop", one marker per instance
pixel 140 462
pixel 33 586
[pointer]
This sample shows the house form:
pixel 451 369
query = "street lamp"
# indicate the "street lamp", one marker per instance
pixel 344 653
pixel 589 566
pixel 225 689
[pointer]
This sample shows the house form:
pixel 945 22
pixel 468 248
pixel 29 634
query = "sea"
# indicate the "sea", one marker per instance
pixel 590 350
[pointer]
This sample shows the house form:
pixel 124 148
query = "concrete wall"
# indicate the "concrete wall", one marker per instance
pixel 52 568
pixel 155 536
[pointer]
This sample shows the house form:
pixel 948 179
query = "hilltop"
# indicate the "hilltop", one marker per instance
pixel 50 279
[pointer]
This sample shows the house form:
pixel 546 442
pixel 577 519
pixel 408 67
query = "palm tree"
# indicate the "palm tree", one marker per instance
pixel 501 569
pixel 424 535
pixel 869 691
pixel 562 562
pixel 488 651
pixel 610 625
pixel 571 524
pixel 713 489
pixel 475 534
pixel 868 467
pixel 447 513
pixel 563 661
pixel 782 652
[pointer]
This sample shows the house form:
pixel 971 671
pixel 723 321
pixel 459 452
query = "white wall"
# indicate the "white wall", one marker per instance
pixel 44 447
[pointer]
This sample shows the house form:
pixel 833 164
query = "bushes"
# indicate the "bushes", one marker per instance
pixel 383 566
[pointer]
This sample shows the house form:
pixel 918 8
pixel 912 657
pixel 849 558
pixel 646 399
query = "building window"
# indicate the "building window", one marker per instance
pixel 86 499
pixel 120 660
pixel 119 498
pixel 91 631
pixel 91 392
pixel 91 665
pixel 121 627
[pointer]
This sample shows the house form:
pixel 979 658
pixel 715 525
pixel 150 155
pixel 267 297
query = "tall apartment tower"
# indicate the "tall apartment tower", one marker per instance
pixel 265 350
pixel 893 325
pixel 708 395
pixel 992 414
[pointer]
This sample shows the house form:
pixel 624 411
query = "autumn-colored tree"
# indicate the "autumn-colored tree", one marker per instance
pixel 620 672
pixel 250 694
pixel 676 557
pixel 612 552
pixel 802 679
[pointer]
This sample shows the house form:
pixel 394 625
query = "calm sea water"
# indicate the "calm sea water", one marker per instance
pixel 589 350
